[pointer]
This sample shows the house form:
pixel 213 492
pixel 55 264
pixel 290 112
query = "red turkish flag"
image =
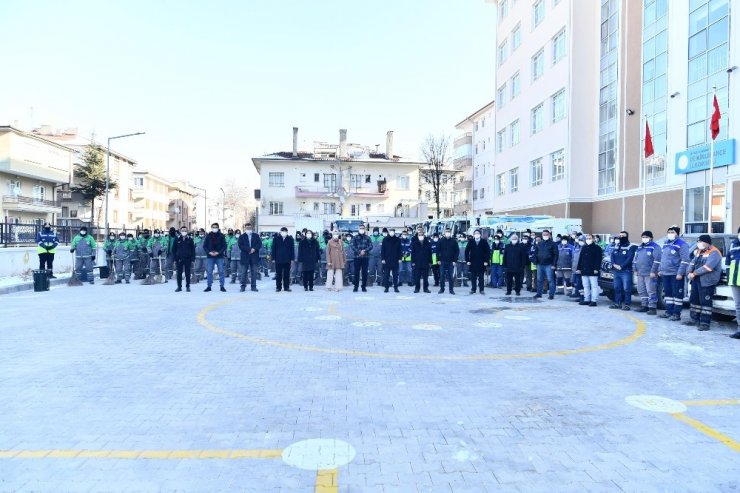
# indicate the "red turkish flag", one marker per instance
pixel 649 151
pixel 714 126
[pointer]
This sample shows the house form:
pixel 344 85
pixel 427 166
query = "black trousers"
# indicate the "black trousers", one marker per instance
pixel 388 271
pixel 308 279
pixel 435 274
pixel 513 278
pixel 183 266
pixel 250 267
pixel 361 264
pixel 282 275
pixel 477 274
pixel 421 274
pixel 46 261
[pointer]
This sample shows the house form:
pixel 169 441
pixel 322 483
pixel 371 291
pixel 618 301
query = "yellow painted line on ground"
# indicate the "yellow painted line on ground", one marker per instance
pixel 203 321
pixel 142 454
pixel 716 402
pixel 326 481
pixel 710 432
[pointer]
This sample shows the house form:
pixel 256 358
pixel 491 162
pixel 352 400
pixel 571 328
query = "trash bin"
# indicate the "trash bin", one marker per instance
pixel 40 280
pixel 104 272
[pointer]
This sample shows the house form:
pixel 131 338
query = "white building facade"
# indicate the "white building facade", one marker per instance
pixel 481 127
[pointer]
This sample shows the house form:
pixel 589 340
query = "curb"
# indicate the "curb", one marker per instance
pixel 27 286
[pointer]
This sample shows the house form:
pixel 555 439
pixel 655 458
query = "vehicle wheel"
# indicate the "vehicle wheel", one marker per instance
pixel 661 297
pixel 610 295
pixel 723 317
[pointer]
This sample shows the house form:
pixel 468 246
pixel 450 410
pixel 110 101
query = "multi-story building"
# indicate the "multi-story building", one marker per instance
pixel 181 208
pixel 151 196
pixel 462 161
pixel 448 180
pixel 32 168
pixel 481 127
pixel 338 181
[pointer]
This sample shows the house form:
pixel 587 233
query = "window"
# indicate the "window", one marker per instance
pixel 538 118
pixel 513 180
pixel 316 177
pixel 316 207
pixel 475 194
pixel 330 208
pixel 503 10
pixel 514 132
pixel 515 85
pixel 138 182
pixel 500 140
pixel 302 178
pixel 482 194
pixel 535 173
pixel 558 106
pixel 538 13
pixel 356 181
pixel 354 210
pixel 500 184
pixel 367 178
pixel 277 179
pixel 557 165
pixel 503 52
pixel 428 195
pixel 330 182
pixel 501 97
pixel 607 163
pixel 558 47
pixel 516 37
pixel 276 208
pixel 39 192
pixel 538 65
pixel 403 182
pixel 14 188
pixel 367 208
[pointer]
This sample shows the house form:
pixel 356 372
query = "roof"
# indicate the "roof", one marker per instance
pixel 8 128
pixel 477 113
pixel 309 156
pixel 76 141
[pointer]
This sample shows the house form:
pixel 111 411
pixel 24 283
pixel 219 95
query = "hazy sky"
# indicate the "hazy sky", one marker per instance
pixel 215 83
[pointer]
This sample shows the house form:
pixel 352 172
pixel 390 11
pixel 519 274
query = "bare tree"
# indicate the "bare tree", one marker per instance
pixel 434 152
pixel 237 202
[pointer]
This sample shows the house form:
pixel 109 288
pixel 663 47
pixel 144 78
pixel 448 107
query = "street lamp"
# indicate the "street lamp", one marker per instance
pixel 205 204
pixel 107 175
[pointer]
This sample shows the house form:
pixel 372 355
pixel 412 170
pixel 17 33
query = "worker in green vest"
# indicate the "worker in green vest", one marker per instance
pixel 732 259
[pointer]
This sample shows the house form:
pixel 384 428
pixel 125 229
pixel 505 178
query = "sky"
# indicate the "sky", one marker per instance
pixel 216 83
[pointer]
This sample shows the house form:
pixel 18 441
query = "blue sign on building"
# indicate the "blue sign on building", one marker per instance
pixel 697 158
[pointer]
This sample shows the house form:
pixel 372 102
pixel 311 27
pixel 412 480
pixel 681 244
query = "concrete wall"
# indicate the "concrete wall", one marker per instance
pixel 20 261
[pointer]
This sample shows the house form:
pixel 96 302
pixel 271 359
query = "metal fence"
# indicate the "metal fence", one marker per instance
pixel 16 234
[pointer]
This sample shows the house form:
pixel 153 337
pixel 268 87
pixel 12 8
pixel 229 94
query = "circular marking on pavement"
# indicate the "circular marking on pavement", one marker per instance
pixel 518 317
pixel 366 324
pixel 656 404
pixel 202 318
pixel 488 325
pixel 312 309
pixel 402 297
pixel 426 327
pixel 328 317
pixel 319 454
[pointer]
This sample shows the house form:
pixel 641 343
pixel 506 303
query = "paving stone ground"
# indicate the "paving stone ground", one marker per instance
pixel 434 393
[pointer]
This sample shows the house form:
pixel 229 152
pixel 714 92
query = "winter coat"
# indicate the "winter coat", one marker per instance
pixel 589 262
pixel 246 243
pixel 546 252
pixel 390 250
pixel 497 253
pixel 377 242
pixel 477 254
pixel 707 266
pixel 577 247
pixel 47 242
pixel 335 258
pixel 309 254
pixel 448 250
pixel 461 246
pixel 565 256
pixel 516 257
pixel 124 249
pixel 349 252
pixel 157 247
pixel 421 253
pixel 199 251
pixel 674 258
pixel 733 261
pixel 647 259
pixel 623 255
pixel 361 242
pixel 215 242
pixel 283 249
pixel 84 246
pixel 406 249
pixel 184 249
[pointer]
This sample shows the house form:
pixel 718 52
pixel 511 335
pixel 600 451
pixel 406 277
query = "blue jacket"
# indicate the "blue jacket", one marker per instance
pixel 565 256
pixel 647 259
pixel 674 258
pixel 623 256
pixel 707 266
pixel 732 260
pixel 406 249
pixel 47 242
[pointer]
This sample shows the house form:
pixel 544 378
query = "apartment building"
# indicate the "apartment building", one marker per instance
pixel 448 180
pixel 480 126
pixel 151 194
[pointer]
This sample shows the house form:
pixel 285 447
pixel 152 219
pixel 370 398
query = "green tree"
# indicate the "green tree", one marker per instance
pixel 90 177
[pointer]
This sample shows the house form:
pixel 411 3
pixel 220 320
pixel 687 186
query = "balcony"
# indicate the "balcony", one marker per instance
pixel 36 171
pixel 31 204
pixel 462 162
pixel 333 193
pixel 463 185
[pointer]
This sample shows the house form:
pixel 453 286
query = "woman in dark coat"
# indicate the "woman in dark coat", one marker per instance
pixel 309 254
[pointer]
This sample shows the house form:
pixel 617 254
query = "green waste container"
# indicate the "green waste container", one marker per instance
pixel 40 280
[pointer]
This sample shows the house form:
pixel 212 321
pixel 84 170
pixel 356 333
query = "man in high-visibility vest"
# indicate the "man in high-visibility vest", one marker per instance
pixel 733 277
pixel 47 242
pixel 497 262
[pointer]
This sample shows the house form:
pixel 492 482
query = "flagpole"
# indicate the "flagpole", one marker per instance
pixel 711 168
pixel 644 181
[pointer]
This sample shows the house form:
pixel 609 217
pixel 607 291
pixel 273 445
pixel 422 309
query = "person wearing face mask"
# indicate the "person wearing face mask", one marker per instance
pixel 335 262
pixel 169 242
pixel 621 260
pixel 374 266
pixel 515 259
pixel 295 266
pixel 447 254
pixel 405 275
pixel 230 240
pixel 235 254
pixel 477 256
pixel 646 265
pixel 157 246
pixel 215 246
pixel 497 262
pixel 576 280
pixel 421 259
pixel 123 250
pixel 47 242
pixel 613 243
pixel 199 266
pixel 362 246
pixel 108 249
pixel 732 261
pixel 527 276
pixel 435 265
pixel 283 254
pixel 589 264
pixel 349 255
pixel 461 267
pixel 84 248
pixel 704 273
pixel 546 257
pixel 309 254
pixel 183 255
pixel 674 261
pixel 264 255
pixel 564 267
pixel 142 258
pixel 390 258
pixel 250 248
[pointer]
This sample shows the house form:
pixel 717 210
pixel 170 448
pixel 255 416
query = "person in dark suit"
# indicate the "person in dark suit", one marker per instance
pixel 516 259
pixel 421 259
pixel 249 245
pixel 309 254
pixel 390 256
pixel 477 256
pixel 183 252
pixel 215 246
pixel 283 254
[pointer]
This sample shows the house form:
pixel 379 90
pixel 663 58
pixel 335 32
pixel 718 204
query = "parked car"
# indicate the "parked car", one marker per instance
pixel 723 303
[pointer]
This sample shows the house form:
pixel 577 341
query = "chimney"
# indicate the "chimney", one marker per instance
pixel 342 143
pixel 389 145
pixel 295 141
